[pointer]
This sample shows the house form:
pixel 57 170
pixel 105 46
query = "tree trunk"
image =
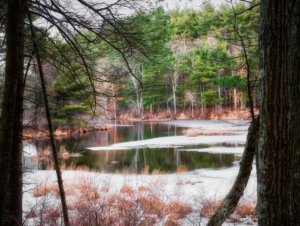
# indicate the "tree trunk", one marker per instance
pixel 294 84
pixel 10 119
pixel 174 87
pixel 273 154
pixel 16 173
pixel 231 200
pixel 50 126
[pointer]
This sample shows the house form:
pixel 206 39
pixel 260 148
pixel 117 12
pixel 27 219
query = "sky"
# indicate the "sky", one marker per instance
pixel 187 4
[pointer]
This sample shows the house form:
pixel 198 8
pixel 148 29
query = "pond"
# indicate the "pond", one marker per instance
pixel 75 152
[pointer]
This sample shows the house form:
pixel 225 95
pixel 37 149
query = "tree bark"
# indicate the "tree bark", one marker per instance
pixel 231 200
pixel 16 173
pixel 273 190
pixel 294 92
pixel 10 116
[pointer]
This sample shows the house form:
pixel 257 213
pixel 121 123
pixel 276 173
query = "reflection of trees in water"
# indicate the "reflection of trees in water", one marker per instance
pixel 135 160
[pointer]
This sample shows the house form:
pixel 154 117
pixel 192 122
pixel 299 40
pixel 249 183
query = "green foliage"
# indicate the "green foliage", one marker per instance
pixel 201 47
pixel 71 85
pixel 68 113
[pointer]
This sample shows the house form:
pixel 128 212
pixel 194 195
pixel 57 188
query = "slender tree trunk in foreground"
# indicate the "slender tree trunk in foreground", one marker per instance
pixel 51 133
pixel 10 116
pixel 232 198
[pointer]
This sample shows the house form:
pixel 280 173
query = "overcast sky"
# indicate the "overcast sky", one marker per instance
pixel 187 4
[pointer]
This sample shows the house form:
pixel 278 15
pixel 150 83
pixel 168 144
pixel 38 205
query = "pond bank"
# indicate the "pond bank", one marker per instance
pixel 206 114
pixel 30 133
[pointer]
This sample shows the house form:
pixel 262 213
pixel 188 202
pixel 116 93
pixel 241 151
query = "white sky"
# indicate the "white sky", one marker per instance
pixel 187 4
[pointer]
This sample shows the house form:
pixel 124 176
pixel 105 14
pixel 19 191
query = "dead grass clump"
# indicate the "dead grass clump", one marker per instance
pixel 146 169
pixel 105 188
pixel 182 169
pixel 151 205
pixel 126 210
pixel 87 190
pixel 45 189
pixel 172 222
pixel 241 211
pixel 157 172
pixel 244 210
pixel 127 189
pixel 121 203
pixel 178 208
pixel 209 208
pixel 51 217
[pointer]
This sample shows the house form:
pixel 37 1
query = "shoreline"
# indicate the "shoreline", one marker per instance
pixel 30 133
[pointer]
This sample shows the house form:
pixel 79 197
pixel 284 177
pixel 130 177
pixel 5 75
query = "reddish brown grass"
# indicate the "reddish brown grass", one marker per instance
pixel 151 205
pixel 244 210
pixel 182 169
pixel 241 211
pixel 127 189
pixel 178 209
pixel 209 208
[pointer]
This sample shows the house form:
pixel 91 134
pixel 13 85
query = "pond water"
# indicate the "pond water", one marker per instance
pixel 74 151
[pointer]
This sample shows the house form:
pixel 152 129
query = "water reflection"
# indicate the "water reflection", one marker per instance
pixel 165 160
pixel 143 160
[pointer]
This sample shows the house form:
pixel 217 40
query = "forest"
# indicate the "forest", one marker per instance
pixel 191 60
pixel 130 113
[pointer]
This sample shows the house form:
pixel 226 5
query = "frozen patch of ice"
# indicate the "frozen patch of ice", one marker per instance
pixel 172 141
pixel 211 124
pixel 217 150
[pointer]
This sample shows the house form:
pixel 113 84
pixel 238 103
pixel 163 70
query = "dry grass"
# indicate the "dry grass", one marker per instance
pixel 127 189
pixel 178 209
pixel 209 207
pixel 92 206
pixel 44 189
pixel 241 211
pixel 145 169
pixel 140 206
pixel 151 205
pixel 171 222
pixel 244 210
pixel 182 169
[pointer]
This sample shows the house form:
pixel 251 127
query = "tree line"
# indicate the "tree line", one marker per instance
pixel 191 60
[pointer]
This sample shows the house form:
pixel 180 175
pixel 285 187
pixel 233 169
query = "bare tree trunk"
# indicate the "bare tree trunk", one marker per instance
pixel 9 117
pixel 294 84
pixel 174 87
pixel 16 173
pixel 51 133
pixel 231 200
pixel 234 98
pixel 273 188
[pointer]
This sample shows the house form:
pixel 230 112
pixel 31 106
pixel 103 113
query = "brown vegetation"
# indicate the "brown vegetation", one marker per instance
pixel 208 113
pixel 243 210
pixel 65 131
pixel 94 206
